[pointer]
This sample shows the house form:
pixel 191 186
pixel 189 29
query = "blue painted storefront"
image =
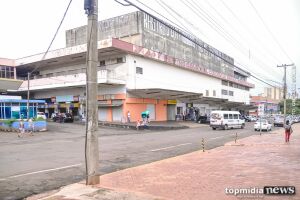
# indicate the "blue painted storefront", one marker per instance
pixel 17 108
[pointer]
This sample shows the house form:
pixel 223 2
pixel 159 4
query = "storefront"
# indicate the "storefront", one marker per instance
pixel 17 108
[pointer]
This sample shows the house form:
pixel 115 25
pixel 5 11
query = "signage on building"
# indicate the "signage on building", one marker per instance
pixel 261 109
pixel 64 98
pixel 173 102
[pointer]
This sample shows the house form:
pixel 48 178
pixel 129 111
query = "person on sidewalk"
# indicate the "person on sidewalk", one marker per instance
pixel 21 128
pixel 30 127
pixel 128 116
pixel 288 131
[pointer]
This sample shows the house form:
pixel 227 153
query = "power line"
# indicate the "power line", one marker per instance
pixel 166 7
pixel 187 37
pixel 62 20
pixel 235 43
pixel 248 30
pixel 270 32
pixel 266 53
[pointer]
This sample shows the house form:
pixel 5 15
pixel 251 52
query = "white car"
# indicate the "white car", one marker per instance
pixel 41 115
pixel 263 125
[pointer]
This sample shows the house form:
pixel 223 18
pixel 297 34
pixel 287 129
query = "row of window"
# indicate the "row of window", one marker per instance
pixel 234 85
pixel 227 92
pixel 7 72
pixel 112 61
pixel 207 93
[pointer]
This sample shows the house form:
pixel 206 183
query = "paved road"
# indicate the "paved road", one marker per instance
pixel 46 161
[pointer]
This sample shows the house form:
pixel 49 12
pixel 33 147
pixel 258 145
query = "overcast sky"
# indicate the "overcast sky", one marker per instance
pixel 236 28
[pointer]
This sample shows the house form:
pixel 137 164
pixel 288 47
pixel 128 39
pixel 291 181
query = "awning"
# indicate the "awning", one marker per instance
pixel 157 93
pixel 9 84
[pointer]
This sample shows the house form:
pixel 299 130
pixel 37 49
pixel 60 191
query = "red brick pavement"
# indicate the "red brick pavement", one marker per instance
pixel 255 161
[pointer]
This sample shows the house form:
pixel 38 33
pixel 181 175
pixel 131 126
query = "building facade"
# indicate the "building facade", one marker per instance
pixel 144 64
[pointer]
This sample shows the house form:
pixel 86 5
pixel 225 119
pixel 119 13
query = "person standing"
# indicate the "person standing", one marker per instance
pixel 288 131
pixel 128 116
pixel 30 126
pixel 21 128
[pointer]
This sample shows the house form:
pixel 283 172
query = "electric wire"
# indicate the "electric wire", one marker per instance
pixel 62 20
pixel 235 43
pixel 269 30
pixel 134 5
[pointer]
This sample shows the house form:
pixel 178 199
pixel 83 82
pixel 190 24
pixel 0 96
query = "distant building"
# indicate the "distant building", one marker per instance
pixel 273 93
pixel 144 64
pixel 269 106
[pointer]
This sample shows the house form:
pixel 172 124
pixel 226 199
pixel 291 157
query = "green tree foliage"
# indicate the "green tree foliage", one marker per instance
pixel 290 107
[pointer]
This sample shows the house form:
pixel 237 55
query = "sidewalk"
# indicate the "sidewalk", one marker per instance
pixel 256 161
pixel 164 125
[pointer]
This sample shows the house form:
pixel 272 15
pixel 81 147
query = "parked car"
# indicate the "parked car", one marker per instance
pixel 226 119
pixel 253 118
pixel 41 115
pixel 279 121
pixel 246 118
pixel 203 119
pixel 63 117
pixel 262 124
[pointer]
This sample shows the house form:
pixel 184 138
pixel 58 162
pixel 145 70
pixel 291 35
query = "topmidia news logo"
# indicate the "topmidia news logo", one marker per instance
pixel 266 190
pixel 279 190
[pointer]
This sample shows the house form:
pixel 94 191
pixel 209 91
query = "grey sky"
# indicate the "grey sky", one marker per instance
pixel 28 26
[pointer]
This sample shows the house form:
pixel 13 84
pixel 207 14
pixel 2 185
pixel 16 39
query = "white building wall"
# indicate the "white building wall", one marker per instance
pixel 164 76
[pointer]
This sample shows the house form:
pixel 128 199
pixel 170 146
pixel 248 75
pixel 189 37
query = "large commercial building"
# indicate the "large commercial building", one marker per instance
pixel 144 64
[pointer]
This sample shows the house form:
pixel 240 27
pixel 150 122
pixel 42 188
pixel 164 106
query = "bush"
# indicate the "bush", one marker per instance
pixel 9 122
pixel 39 119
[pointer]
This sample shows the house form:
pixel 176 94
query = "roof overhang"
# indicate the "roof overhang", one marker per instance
pixel 111 46
pixel 157 93
pixel 9 84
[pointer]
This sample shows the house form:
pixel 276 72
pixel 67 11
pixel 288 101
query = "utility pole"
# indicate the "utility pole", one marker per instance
pixel 91 124
pixel 28 94
pixel 284 89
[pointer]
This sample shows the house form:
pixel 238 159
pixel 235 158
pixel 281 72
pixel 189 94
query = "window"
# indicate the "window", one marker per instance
pixel 139 70
pixel 207 92
pixel 235 116
pixel 49 75
pixel 230 93
pixel 225 83
pixel 230 84
pixel 225 116
pixel 214 93
pixel 102 63
pixel 120 60
pixel 224 92
pixel 7 72
pixel 230 116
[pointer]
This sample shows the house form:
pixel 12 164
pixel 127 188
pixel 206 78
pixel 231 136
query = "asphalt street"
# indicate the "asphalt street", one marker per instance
pixel 49 160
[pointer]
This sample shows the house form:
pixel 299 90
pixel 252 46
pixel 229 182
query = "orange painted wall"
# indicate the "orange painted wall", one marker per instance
pixel 135 111
pixel 137 105
pixel 161 111
pixel 109 114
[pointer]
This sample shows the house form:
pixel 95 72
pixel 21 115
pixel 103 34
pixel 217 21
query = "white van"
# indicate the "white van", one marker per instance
pixel 226 119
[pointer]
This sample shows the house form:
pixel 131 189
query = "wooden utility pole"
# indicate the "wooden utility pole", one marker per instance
pixel 91 124
pixel 284 89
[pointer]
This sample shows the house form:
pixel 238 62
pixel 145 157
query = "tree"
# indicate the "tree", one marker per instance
pixel 290 107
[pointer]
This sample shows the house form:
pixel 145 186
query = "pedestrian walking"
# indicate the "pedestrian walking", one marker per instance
pixel 30 126
pixel 128 116
pixel 288 131
pixel 21 128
